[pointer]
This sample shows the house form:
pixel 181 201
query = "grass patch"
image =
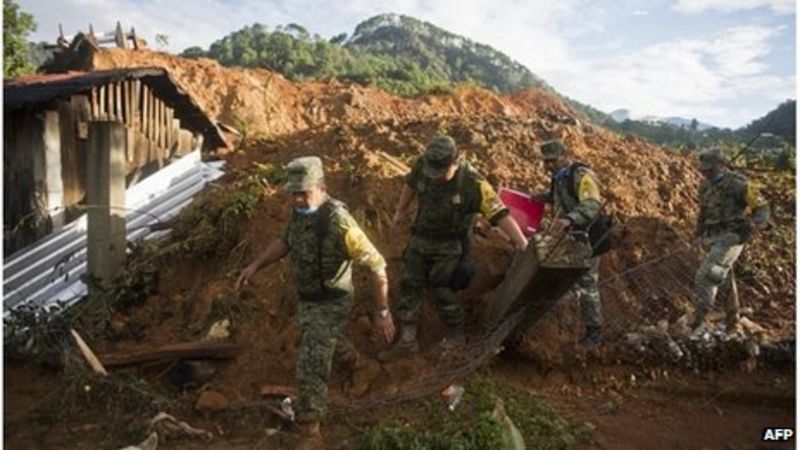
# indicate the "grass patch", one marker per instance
pixel 481 421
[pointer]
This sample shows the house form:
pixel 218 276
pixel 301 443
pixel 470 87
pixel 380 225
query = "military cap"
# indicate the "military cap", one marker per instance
pixel 710 157
pixel 303 174
pixel 553 149
pixel 439 155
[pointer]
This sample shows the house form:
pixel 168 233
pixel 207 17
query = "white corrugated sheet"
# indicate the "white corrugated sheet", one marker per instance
pixel 51 269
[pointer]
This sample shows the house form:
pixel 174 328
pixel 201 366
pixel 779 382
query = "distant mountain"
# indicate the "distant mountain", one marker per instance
pixel 440 52
pixel 781 122
pixel 621 115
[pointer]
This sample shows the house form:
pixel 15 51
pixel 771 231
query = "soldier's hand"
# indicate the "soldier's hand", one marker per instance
pixel 384 327
pixel 245 276
pixel 560 225
pixel 397 223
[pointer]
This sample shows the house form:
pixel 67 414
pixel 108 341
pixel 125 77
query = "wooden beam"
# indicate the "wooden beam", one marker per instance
pixel 137 92
pixel 146 111
pixel 105 191
pixel 128 102
pixel 173 145
pixel 89 355
pixel 118 102
pixel 53 183
pixel 190 350
pixel 170 125
pixel 110 102
pixel 95 108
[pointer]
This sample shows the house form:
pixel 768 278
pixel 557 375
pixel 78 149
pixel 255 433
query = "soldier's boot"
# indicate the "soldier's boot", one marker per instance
pixel 405 345
pixel 310 437
pixel 454 338
pixel 593 337
pixel 699 321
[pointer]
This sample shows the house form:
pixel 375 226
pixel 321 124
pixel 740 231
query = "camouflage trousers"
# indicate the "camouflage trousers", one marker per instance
pixel 429 265
pixel 322 340
pixel 589 296
pixel 723 251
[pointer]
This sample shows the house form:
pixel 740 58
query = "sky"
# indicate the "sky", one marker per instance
pixel 724 62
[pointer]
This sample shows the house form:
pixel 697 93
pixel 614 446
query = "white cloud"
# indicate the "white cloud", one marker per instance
pixel 705 78
pixel 700 6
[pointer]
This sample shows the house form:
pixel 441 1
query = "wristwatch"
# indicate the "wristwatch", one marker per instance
pixel 382 313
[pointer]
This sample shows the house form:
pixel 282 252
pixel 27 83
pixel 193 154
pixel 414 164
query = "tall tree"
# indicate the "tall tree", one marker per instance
pixel 17 25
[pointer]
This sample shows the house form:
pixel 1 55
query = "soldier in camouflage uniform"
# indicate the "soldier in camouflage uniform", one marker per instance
pixel 575 195
pixel 724 226
pixel 323 240
pixel 449 196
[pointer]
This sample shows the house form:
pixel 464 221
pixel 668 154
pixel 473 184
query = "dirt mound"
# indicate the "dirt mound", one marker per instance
pixel 261 102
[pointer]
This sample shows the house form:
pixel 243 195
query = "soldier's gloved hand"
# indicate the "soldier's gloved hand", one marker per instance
pixel 560 225
pixel 384 324
pixel 245 276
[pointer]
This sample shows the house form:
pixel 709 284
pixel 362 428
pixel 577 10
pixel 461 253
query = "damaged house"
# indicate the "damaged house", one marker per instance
pixel 79 141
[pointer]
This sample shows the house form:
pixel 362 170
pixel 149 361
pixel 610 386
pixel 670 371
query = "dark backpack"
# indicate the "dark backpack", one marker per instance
pixel 599 230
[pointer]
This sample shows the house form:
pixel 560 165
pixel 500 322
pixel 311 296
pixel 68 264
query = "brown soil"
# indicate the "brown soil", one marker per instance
pixel 651 192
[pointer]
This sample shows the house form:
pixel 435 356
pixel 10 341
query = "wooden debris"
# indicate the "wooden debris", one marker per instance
pixel 89 355
pixel 190 350
pixel 271 390
pixel 399 166
pixel 168 424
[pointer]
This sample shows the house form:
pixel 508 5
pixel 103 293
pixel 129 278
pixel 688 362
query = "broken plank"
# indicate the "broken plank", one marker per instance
pixel 88 354
pixel 189 350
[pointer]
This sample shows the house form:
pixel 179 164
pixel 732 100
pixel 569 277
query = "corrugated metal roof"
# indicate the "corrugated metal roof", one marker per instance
pixel 35 90
pixel 51 269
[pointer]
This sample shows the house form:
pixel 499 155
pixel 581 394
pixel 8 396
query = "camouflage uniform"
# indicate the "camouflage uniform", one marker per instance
pixel 446 213
pixel 725 227
pixel 580 203
pixel 325 290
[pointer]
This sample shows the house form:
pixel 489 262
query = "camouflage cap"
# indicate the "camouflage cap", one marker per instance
pixel 710 157
pixel 439 155
pixel 302 174
pixel 553 149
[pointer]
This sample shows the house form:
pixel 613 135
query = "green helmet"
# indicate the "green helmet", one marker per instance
pixel 710 157
pixel 303 174
pixel 439 155
pixel 553 149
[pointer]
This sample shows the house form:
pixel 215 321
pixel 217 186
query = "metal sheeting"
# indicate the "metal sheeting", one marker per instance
pixel 50 270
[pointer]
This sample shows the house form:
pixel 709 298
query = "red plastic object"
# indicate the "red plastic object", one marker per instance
pixel 526 211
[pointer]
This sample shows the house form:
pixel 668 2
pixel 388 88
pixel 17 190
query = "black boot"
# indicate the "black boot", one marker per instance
pixel 593 337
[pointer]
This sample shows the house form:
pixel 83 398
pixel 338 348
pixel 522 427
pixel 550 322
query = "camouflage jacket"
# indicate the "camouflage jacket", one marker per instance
pixel 580 202
pixel 343 242
pixel 447 210
pixel 724 203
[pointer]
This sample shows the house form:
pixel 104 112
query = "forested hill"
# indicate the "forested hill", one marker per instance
pixel 400 54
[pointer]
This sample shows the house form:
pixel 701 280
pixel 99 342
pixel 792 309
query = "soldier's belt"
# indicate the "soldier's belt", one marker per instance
pixel 436 235
pixel 327 295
